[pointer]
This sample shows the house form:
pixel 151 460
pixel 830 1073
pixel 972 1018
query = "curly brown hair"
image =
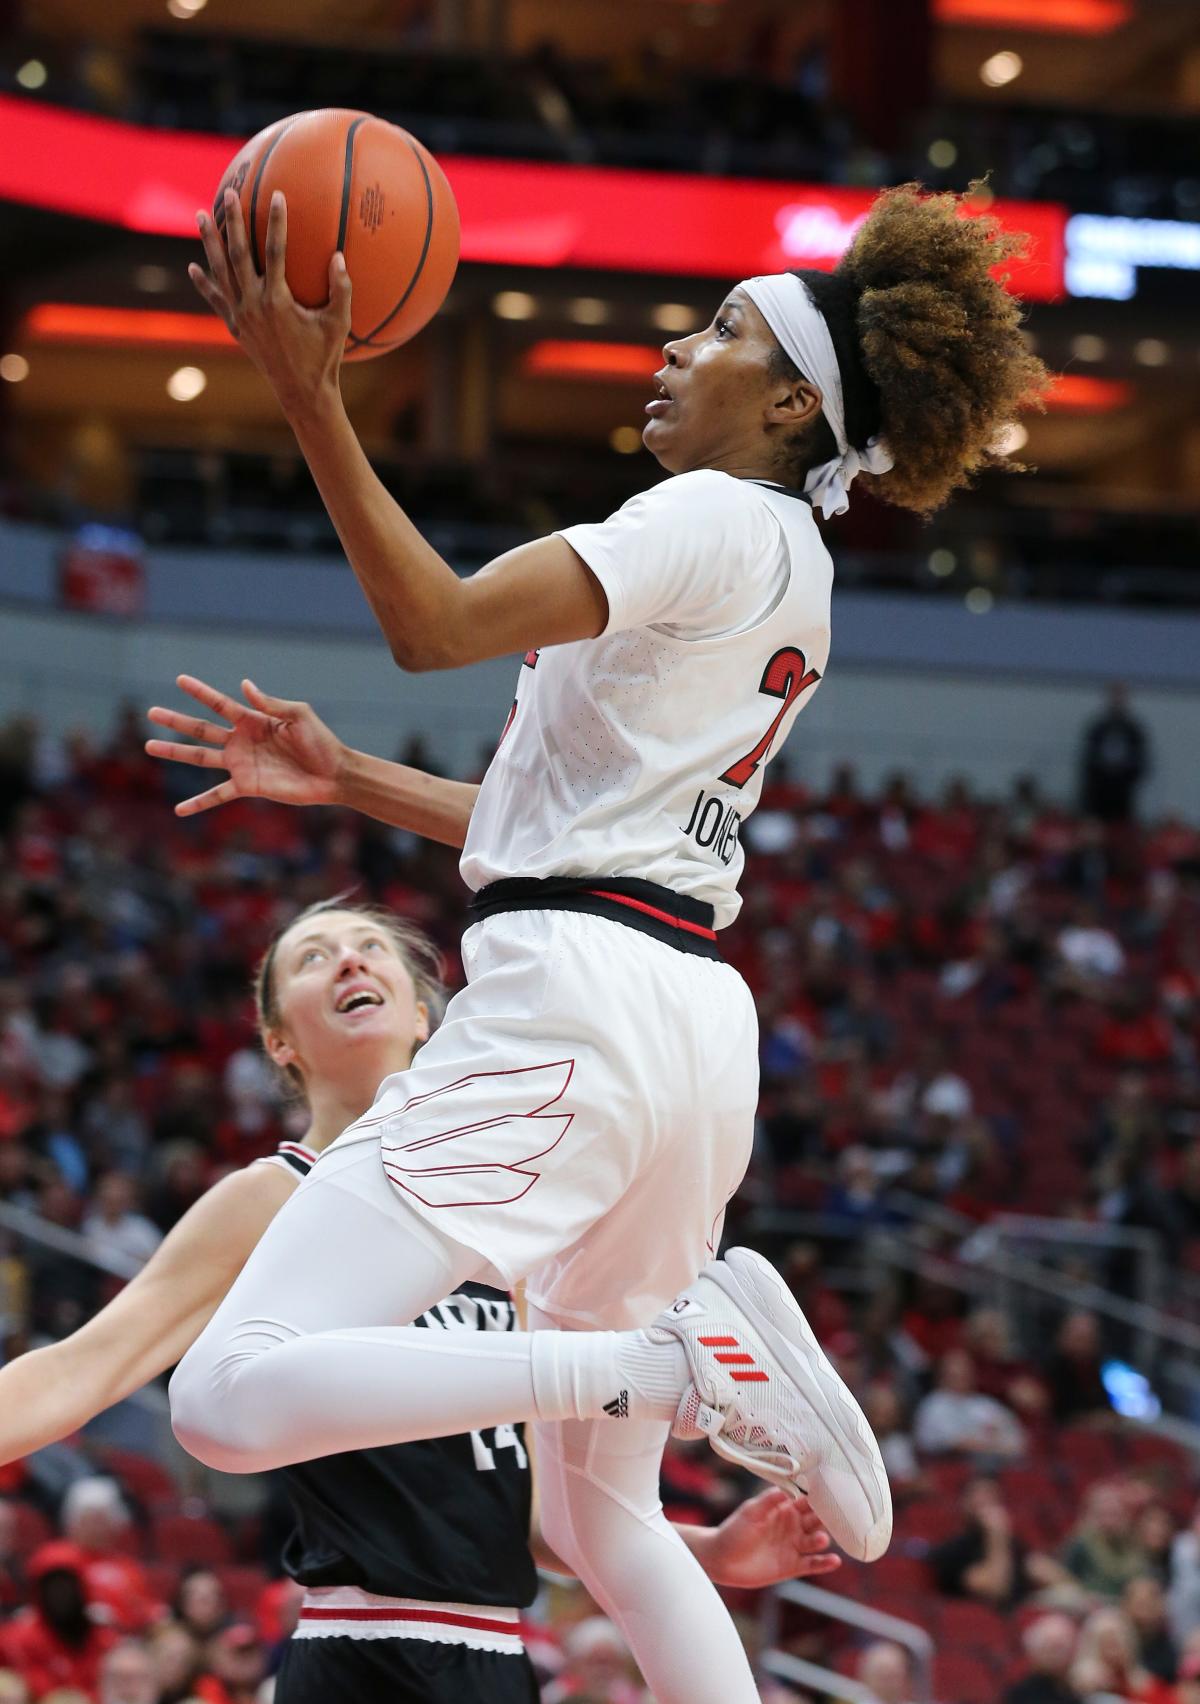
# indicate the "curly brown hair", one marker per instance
pixel 929 343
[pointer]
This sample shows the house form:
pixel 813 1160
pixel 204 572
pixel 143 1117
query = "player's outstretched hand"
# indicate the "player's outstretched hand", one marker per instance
pixel 770 1538
pixel 273 748
pixel 299 350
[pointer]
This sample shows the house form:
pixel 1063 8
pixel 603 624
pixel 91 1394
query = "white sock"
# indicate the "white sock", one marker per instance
pixel 626 1375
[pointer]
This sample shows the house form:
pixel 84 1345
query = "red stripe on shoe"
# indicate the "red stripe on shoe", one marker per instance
pixel 653 911
pixel 719 1342
pixel 728 1360
pixel 750 1378
pixel 443 1617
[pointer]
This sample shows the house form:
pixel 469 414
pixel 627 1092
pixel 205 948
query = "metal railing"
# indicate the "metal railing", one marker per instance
pixel 859 1616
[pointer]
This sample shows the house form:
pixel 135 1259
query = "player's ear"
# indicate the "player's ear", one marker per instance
pixel 279 1049
pixel 797 404
pixel 422 1026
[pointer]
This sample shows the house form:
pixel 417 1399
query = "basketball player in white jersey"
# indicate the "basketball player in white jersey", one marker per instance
pixel 585 1111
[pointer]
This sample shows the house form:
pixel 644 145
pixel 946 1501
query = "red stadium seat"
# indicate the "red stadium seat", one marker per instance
pixel 243 1587
pixel 970 1626
pixel 163 1579
pixel 32 1528
pixel 963 1679
pixel 930 1520
pixel 896 1574
pixel 191 1539
pixel 146 1480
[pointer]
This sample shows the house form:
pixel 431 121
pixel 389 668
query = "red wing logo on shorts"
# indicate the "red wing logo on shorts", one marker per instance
pixel 471 1161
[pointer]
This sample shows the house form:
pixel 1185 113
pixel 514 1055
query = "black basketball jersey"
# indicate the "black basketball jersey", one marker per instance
pixel 445 1520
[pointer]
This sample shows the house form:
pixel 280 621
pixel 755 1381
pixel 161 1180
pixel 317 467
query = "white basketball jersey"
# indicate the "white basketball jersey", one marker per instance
pixel 641 752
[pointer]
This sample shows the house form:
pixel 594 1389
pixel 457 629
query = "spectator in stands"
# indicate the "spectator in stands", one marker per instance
pixel 885 1413
pixel 176 1662
pixel 1183 1592
pixel 115 1231
pixel 127 1676
pixel 236 1668
pixel 1073 1372
pixel 95 1517
pixel 55 1641
pixel 857 1197
pixel 201 1606
pixel 1090 957
pixel 987 1561
pixel 999 1370
pixel 1155 1527
pixel 598 1665
pixel 884 1669
pixel 1108 1648
pixel 1049 1644
pixel 1145 1605
pixel 957 1419
pixel 1115 760
pixel 1104 1554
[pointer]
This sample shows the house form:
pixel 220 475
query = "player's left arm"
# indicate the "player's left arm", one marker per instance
pixel 539 594
pixel 769 1538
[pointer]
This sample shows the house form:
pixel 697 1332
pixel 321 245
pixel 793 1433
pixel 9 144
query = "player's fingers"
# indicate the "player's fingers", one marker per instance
pixel 200 757
pixel 821 1565
pixel 212 296
pixel 276 247
pixel 210 696
pixel 222 795
pixel 194 726
pixel 238 248
pixel 217 256
pixel 270 706
pixel 340 291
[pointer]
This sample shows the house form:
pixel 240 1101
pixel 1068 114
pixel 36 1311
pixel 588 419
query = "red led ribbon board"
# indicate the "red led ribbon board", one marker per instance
pixel 514 213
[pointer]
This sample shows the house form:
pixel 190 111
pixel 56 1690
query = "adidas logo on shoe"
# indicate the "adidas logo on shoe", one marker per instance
pixel 618 1408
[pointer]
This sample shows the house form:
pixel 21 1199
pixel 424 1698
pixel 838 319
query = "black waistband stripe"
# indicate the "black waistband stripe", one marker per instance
pixel 674 918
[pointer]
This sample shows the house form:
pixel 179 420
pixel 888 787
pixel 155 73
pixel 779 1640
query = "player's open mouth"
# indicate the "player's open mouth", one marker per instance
pixel 661 400
pixel 357 999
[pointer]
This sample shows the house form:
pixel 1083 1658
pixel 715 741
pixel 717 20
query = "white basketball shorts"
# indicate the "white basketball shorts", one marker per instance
pixel 581 1117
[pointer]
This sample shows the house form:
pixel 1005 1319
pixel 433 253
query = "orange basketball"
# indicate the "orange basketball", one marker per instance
pixel 364 186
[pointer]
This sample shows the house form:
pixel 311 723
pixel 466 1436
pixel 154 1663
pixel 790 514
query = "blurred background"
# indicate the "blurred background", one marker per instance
pixel 972 913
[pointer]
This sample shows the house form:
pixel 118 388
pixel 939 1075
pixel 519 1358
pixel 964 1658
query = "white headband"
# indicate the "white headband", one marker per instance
pixel 786 303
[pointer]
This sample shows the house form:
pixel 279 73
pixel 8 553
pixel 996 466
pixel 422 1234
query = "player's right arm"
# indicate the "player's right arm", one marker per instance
pixel 275 748
pixel 50 1392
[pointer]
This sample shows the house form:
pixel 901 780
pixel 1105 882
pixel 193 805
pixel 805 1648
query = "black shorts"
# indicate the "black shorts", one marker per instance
pixel 400 1671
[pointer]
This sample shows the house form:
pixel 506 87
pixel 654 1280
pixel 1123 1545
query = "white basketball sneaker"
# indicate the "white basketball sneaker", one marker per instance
pixel 766 1396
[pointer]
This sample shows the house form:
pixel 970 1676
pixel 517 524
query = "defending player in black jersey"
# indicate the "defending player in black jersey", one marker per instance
pixel 416 1558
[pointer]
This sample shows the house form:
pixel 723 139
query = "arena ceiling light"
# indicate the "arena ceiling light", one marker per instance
pixel 514 305
pixel 560 358
pixel 1045 17
pixel 588 310
pixel 186 384
pixel 1001 68
pixel 675 317
pixel 13 369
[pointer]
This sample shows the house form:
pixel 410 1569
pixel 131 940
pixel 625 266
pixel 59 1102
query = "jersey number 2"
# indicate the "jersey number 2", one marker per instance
pixel 786 676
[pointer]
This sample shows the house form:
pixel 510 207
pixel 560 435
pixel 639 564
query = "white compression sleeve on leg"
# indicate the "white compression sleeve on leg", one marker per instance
pixel 598 1491
pixel 311 1352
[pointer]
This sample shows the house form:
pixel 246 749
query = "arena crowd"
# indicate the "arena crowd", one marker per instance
pixel 968 1007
